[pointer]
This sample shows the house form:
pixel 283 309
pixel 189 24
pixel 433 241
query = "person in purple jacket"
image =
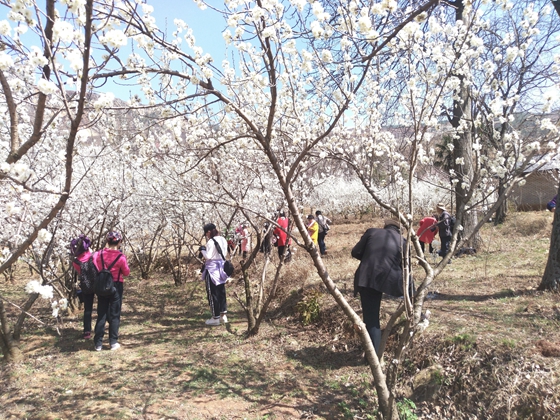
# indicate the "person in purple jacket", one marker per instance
pixel 109 307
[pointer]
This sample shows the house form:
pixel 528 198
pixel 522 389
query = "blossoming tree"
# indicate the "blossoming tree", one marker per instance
pixel 311 80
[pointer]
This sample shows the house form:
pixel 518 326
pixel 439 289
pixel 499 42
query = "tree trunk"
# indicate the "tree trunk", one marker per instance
pixel 19 324
pixel 10 348
pixel 501 213
pixel 556 5
pixel 465 166
pixel 551 276
pixel 251 322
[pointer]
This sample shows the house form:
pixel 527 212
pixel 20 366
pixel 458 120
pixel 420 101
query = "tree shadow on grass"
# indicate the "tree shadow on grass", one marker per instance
pixel 324 358
pixel 473 297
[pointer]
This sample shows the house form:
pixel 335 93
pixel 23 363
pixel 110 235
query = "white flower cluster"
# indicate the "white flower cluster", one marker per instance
pixel 46 87
pixel 20 171
pixel 63 31
pixel 5 61
pixel 44 236
pixel 104 100
pixel 114 38
pixel 34 286
pixel 58 305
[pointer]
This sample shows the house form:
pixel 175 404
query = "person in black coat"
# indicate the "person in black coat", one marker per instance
pixel 380 252
pixel 445 230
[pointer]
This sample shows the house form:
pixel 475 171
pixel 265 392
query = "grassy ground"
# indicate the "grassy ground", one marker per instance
pixel 489 333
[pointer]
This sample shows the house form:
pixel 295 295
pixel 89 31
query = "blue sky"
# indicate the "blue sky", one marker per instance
pixel 207 26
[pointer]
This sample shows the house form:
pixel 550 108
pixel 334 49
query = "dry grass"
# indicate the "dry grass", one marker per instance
pixel 487 344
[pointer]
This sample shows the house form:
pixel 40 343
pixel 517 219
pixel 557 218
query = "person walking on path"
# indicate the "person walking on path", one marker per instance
pixel 427 231
pixel 313 229
pixel 213 274
pixel 324 227
pixel 79 247
pixel 281 234
pixel 109 307
pixel 380 271
pixel 445 231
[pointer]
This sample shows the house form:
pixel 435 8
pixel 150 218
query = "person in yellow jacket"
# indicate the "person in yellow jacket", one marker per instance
pixel 313 229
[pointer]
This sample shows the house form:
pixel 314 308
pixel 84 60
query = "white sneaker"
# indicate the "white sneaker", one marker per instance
pixel 223 319
pixel 115 346
pixel 213 321
pixel 98 348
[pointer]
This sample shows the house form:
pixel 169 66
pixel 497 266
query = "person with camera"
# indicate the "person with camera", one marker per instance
pixel 213 274
pixel 109 307
pixel 79 249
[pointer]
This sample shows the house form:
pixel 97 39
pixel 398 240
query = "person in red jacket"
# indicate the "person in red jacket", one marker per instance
pixel 79 247
pixel 109 307
pixel 427 231
pixel 281 234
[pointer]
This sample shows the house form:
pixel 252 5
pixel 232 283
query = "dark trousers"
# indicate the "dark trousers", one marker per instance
pixel 109 310
pixel 445 241
pixel 88 311
pixel 422 246
pixel 321 240
pixel 371 304
pixel 216 297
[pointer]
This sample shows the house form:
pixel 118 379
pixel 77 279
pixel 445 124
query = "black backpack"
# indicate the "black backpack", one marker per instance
pixel 87 276
pixel 229 268
pixel 452 221
pixel 104 283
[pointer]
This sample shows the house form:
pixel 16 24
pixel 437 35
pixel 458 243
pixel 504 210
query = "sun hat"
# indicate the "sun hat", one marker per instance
pixel 441 206
pixel 391 222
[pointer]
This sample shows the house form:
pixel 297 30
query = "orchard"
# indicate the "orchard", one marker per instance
pixel 357 107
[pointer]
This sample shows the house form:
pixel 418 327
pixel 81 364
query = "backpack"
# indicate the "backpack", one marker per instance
pixel 87 276
pixel 323 223
pixel 104 283
pixel 452 220
pixel 228 265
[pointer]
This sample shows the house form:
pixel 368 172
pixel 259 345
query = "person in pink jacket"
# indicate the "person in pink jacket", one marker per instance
pixel 109 307
pixel 79 247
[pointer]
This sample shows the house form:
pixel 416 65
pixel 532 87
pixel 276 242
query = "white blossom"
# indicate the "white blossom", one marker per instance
pixel 104 100
pixel 44 236
pixel 5 61
pixel 115 38
pixel 326 56
pixel 46 87
pixel 34 286
pixel 62 31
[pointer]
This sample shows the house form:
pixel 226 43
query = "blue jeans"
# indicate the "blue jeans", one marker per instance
pixel 109 310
